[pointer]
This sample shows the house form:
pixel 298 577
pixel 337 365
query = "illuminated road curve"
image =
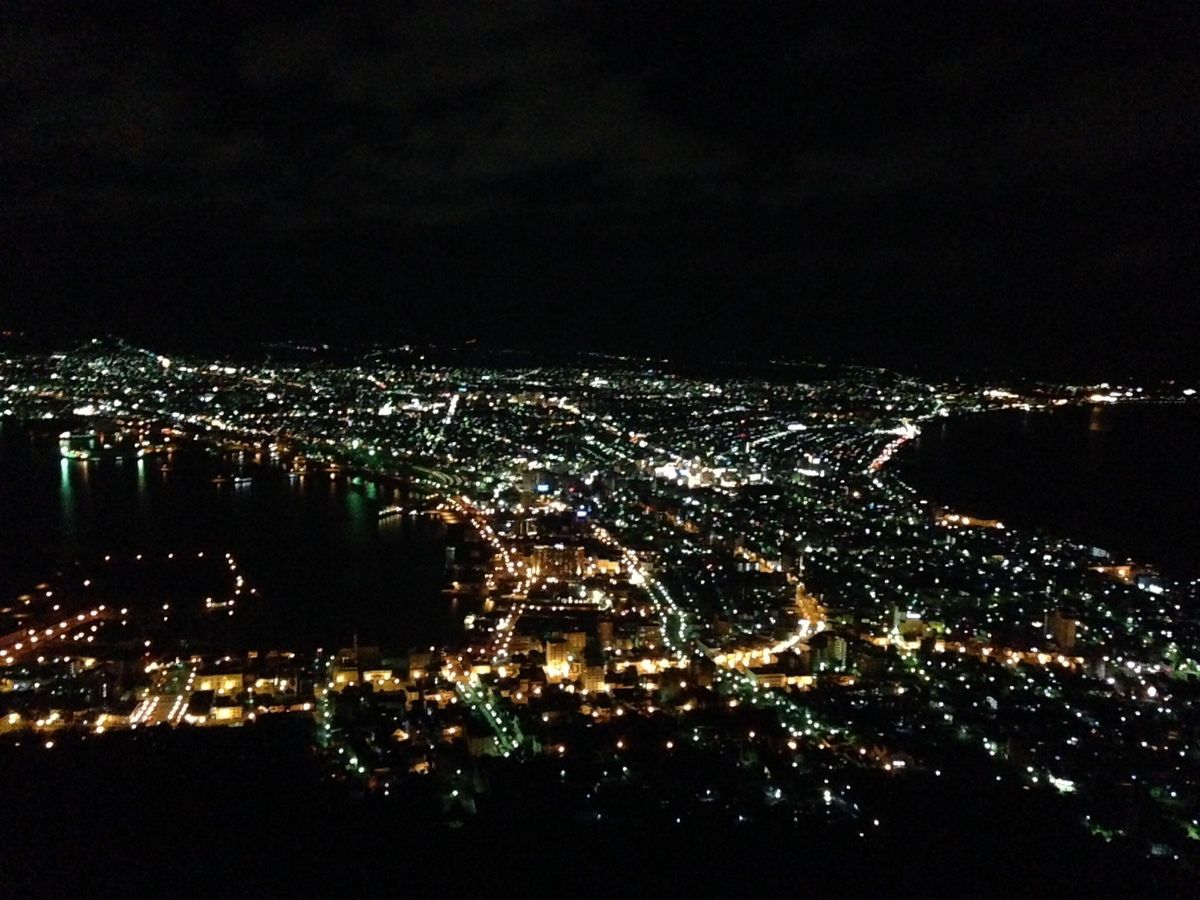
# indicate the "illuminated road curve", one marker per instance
pixel 29 640
pixel 681 640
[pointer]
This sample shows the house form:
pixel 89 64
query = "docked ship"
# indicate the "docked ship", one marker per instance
pixel 98 444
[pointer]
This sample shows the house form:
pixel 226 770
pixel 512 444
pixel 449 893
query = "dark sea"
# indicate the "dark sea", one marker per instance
pixel 1122 477
pixel 324 565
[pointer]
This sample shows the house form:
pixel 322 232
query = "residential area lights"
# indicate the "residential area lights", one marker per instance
pixel 726 574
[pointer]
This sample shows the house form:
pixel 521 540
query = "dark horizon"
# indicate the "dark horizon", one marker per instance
pixel 1001 188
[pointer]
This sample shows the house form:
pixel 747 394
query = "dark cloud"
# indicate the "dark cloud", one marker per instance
pixel 411 111
pixel 808 169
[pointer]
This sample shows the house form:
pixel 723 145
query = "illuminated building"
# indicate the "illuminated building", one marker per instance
pixel 649 635
pixel 383 680
pixel 593 678
pixel 1062 629
pixel 224 683
pixel 225 714
pixel 557 653
pixel 557 561
pixel 576 641
pixel 610 567
pixel 828 651
pixel 604 631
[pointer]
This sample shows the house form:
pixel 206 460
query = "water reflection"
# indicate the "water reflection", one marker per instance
pixel 66 498
pixel 324 563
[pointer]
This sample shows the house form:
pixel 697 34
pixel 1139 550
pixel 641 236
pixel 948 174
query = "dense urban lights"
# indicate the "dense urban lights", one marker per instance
pixel 679 577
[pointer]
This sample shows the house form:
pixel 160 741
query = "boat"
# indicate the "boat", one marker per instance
pixel 219 479
pixel 242 479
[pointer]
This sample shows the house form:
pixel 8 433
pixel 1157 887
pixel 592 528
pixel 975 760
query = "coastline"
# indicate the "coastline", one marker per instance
pixel 956 438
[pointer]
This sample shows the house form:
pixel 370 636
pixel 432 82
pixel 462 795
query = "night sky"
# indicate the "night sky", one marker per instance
pixel 914 184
